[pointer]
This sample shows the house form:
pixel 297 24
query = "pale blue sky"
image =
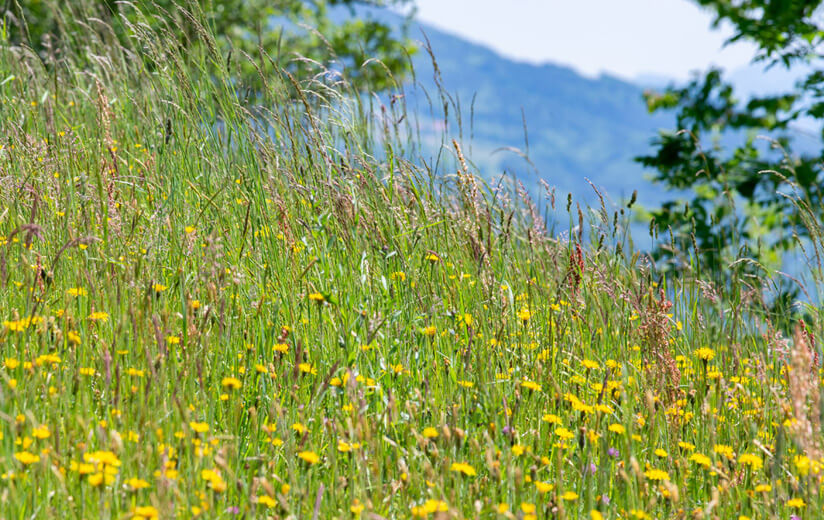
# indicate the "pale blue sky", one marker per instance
pixel 626 38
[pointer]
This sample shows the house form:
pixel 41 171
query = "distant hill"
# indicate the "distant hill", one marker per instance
pixel 578 127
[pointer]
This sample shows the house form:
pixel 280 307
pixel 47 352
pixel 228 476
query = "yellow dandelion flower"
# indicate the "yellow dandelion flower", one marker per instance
pixel 701 459
pixel 317 298
pixel 531 385
pixel 309 457
pixel 145 513
pixel 357 507
pixel 753 461
pixel 462 467
pixel 106 458
pixel 307 368
pixel 551 418
pixel 26 458
pixel 231 382
pixel 705 354
pixel 590 364
pixel 430 432
pixel 656 474
pixel 199 427
pixel 429 331
pixel 617 428
pixel 724 450
pixel 564 433
pixel 136 483
pixel 266 500
pixel 796 503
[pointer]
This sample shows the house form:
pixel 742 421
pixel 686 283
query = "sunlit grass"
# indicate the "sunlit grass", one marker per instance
pixel 221 307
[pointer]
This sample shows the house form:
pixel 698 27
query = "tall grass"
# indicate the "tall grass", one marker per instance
pixel 219 301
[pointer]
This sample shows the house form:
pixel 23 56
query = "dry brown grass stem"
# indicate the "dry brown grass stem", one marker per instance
pixel 805 395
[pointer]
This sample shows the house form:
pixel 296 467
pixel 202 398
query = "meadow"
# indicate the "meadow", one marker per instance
pixel 218 302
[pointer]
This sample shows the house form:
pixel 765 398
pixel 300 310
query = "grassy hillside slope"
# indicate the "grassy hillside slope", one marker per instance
pixel 222 306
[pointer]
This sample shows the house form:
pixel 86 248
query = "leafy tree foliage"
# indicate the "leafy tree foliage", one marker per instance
pixel 296 34
pixel 757 193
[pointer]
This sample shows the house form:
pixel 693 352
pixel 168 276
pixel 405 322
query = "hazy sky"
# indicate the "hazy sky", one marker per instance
pixel 626 38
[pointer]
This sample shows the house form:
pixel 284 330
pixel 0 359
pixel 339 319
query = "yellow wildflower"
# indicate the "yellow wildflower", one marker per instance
pixel 309 457
pixel 462 467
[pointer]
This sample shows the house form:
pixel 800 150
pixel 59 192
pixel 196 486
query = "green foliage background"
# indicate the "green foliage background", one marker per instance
pixel 291 34
pixel 756 199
